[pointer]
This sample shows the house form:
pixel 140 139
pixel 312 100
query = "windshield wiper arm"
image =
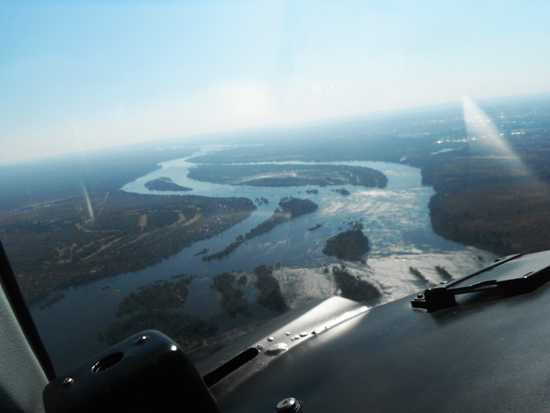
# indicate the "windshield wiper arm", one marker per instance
pixel 437 298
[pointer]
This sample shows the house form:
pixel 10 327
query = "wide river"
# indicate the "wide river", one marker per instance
pixel 396 220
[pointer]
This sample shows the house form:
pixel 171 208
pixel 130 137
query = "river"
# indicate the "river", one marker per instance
pixel 395 219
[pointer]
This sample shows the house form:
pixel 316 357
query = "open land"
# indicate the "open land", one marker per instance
pixel 122 232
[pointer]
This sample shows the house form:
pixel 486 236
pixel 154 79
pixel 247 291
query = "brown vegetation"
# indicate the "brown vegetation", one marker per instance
pixel 59 244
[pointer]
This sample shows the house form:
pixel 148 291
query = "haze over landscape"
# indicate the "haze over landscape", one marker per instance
pixel 83 75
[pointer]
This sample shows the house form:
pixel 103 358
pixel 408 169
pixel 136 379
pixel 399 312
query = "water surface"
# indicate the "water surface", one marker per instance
pixel 396 221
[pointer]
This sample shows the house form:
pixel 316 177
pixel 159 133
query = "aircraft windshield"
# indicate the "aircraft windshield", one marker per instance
pixel 202 168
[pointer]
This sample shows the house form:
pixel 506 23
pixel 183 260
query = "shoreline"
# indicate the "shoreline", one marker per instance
pixel 130 233
pixel 75 283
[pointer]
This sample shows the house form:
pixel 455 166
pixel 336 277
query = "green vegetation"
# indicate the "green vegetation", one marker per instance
pixel 269 291
pixel 350 245
pixel 483 198
pixel 232 295
pixel 490 212
pixel 232 287
pixel 165 184
pixel 190 332
pixel 126 233
pixel 289 208
pixel 355 288
pixel 494 202
pixel 160 295
pixel 160 306
pixel 289 175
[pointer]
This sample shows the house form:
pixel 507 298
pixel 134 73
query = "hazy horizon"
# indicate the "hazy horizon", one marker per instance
pixel 80 76
pixel 215 137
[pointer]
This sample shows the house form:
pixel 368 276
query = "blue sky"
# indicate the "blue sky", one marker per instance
pixel 81 75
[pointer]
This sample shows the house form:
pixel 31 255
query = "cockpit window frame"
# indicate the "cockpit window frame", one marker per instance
pixel 13 293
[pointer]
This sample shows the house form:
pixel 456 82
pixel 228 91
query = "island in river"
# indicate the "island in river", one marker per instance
pixel 355 288
pixel 288 209
pixel 247 299
pixel 165 184
pixel 289 175
pixel 342 191
pixel 75 240
pixel 159 304
pixel 349 245
pixel 163 304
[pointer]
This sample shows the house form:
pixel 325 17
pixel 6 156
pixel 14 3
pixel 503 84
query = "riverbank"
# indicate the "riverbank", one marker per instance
pixel 80 240
pixel 304 276
pixel 277 175
pixel 289 208
pixel 493 204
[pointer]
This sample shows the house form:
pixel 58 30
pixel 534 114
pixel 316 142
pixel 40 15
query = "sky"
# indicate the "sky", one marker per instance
pixel 78 75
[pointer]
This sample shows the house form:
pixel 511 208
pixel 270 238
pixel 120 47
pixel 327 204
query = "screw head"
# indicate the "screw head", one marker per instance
pixel 67 381
pixel 288 405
